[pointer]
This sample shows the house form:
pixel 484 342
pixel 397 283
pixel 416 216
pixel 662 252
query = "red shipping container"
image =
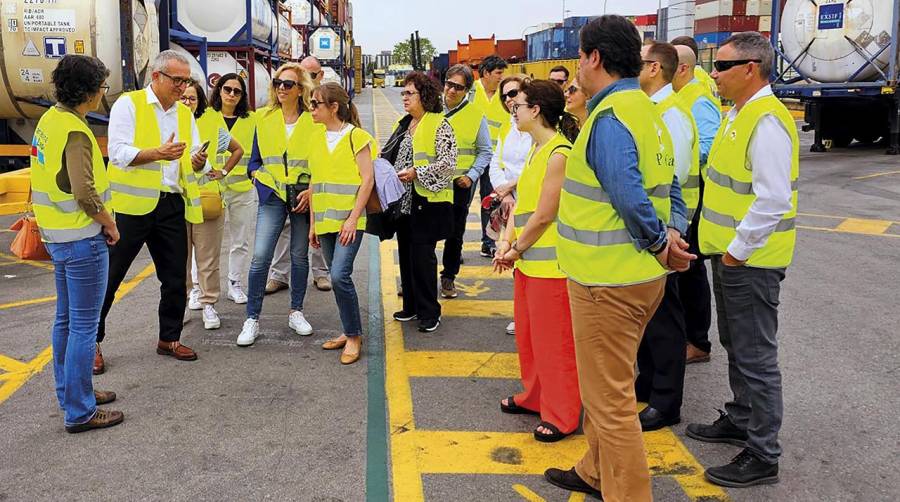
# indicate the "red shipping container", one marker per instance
pixel 727 23
pixel 462 52
pixel 453 56
pixel 645 20
pixel 509 49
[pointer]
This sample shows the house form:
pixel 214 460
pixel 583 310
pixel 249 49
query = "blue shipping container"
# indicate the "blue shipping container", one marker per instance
pixel 441 62
pixel 553 43
pixel 577 21
pixel 715 39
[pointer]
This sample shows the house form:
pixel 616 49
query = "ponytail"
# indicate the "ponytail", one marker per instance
pixel 332 92
pixel 349 114
pixel 569 127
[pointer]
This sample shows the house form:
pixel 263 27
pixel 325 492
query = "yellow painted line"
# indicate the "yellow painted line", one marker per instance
pixel 467 246
pixel 869 176
pixel 32 263
pixel 24 303
pixel 860 226
pixel 476 308
pixel 452 364
pixel 11 365
pixel 836 231
pixel 527 494
pixel 481 272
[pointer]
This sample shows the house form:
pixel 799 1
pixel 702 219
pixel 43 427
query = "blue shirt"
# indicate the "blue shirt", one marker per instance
pixel 253 165
pixel 708 117
pixel 612 154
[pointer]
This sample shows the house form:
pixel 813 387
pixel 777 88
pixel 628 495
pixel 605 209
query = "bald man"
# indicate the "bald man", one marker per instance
pixel 279 271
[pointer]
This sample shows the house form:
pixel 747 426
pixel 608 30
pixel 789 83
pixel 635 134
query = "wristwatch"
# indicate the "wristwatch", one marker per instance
pixel 655 250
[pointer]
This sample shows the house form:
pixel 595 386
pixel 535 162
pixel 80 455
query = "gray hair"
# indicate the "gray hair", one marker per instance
pixel 161 63
pixel 465 71
pixel 752 45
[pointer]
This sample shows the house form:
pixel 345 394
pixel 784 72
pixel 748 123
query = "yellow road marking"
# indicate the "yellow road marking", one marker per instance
pixel 476 308
pixel 12 259
pixel 836 231
pixel 11 365
pixel 452 364
pixel 481 272
pixel 527 494
pixel 472 291
pixel 33 301
pixel 15 380
pixel 467 246
pixel 868 176
pixel 860 226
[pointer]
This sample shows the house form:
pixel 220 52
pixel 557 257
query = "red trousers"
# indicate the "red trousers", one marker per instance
pixel 546 351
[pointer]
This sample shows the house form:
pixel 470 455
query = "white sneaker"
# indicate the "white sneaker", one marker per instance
pixel 248 333
pixel 299 323
pixel 236 293
pixel 194 299
pixel 511 328
pixel 210 318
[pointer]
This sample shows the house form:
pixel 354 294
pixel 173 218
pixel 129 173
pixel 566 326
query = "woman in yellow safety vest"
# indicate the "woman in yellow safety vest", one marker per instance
pixel 279 164
pixel 205 239
pixel 70 192
pixel 340 162
pixel 576 102
pixel 230 97
pixel 541 309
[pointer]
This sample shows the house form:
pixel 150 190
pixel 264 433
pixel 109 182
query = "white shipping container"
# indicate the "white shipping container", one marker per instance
pixel 759 7
pixel 714 9
pixel 765 24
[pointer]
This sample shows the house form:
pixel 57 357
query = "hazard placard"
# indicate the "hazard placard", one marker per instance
pixel 31 49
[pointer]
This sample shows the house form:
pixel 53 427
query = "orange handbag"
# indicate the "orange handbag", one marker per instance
pixel 27 244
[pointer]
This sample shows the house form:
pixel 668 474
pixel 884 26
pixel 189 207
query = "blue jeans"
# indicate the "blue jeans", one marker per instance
pixel 269 222
pixel 82 268
pixel 340 260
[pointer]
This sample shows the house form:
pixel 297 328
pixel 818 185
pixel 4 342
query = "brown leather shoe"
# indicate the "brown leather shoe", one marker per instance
pixel 104 396
pixel 322 283
pixel 273 286
pixel 334 344
pixel 99 364
pixel 695 355
pixel 102 419
pixel 176 350
pixel 350 357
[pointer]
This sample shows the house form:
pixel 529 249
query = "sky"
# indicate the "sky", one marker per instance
pixel 379 24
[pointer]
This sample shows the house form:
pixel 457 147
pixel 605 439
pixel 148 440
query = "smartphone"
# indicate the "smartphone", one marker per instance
pixel 204 146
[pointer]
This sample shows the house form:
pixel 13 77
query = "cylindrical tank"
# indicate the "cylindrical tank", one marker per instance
pixel 300 11
pixel 284 35
pixel 196 70
pixel 262 82
pixel 837 32
pixel 221 20
pixel 219 63
pixel 37 33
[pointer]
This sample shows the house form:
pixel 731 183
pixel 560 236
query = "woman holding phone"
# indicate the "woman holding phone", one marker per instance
pixel 342 180
pixel 280 168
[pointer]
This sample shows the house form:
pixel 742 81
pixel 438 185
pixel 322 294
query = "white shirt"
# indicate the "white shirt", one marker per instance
pixel 682 133
pixel 769 160
pixel 121 137
pixel 516 146
pixel 335 137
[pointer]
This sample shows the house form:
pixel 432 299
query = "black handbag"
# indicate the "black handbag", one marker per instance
pixel 293 190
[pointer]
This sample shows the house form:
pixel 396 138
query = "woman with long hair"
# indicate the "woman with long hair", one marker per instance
pixel 342 180
pixel 541 302
pixel 280 168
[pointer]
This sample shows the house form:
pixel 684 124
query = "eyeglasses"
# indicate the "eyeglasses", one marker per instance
pixel 515 107
pixel 454 86
pixel 188 99
pixel 313 103
pixel 560 82
pixel 648 61
pixel 313 74
pixel 407 94
pixel 722 66
pixel 286 84
pixel 234 91
pixel 104 88
pixel 571 89
pixel 178 81
pixel 511 94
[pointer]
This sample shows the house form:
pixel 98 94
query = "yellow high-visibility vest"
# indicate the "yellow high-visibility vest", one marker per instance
pixel 284 161
pixel 701 75
pixel 336 179
pixel 728 193
pixel 466 123
pixel 690 189
pixel 492 109
pixel 539 260
pixel 58 215
pixel 595 247
pixel 136 191
pixel 242 131
pixel 208 126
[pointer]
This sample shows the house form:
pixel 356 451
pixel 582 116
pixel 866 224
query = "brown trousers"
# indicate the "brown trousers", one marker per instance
pixel 608 324
pixel 205 239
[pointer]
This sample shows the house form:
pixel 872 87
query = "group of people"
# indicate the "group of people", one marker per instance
pixel 612 188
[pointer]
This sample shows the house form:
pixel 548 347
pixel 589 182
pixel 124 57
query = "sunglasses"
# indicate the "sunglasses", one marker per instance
pixel 511 94
pixel 571 89
pixel 722 66
pixel 455 86
pixel 234 91
pixel 560 82
pixel 178 81
pixel 286 84
pixel 313 74
pixel 407 94
pixel 314 103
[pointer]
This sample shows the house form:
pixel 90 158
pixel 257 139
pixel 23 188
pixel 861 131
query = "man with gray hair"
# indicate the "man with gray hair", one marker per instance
pixel 155 158
pixel 473 141
pixel 747 227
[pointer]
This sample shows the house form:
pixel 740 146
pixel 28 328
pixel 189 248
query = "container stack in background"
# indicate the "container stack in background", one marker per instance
pixel 716 20
pixel 646 26
pixel 558 42
pixel 679 20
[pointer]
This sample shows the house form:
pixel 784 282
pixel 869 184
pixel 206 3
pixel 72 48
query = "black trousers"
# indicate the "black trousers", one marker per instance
pixel 165 233
pixel 418 270
pixel 661 355
pixel 462 198
pixel 484 189
pixel 696 297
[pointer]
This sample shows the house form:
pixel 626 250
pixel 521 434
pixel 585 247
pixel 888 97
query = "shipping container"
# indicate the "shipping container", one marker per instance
pixel 707 9
pixel 478 49
pixel 512 50
pixel 453 57
pixel 646 20
pixel 726 23
pixel 555 43
pixel 711 39
pixel 462 52
pixel 759 7
pixel 577 21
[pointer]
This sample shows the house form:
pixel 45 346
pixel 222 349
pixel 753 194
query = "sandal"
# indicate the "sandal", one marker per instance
pixel 513 409
pixel 555 435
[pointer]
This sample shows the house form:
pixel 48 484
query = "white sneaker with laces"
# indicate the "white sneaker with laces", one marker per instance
pixel 194 299
pixel 248 333
pixel 210 318
pixel 511 328
pixel 236 293
pixel 299 323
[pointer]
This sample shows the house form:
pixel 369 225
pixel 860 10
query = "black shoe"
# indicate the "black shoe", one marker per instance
pixel 404 316
pixel 570 480
pixel 487 250
pixel 722 430
pixel 429 325
pixel 746 469
pixel 653 419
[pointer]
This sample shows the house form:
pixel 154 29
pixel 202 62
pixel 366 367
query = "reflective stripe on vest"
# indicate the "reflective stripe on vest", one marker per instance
pixel 242 131
pixel 728 192
pixel 275 147
pixel 540 259
pixel 595 247
pixel 58 215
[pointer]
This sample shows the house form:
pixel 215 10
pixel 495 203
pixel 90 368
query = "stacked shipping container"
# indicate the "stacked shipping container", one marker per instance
pixel 716 20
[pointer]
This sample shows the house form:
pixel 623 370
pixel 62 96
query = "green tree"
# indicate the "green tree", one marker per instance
pixel 402 55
